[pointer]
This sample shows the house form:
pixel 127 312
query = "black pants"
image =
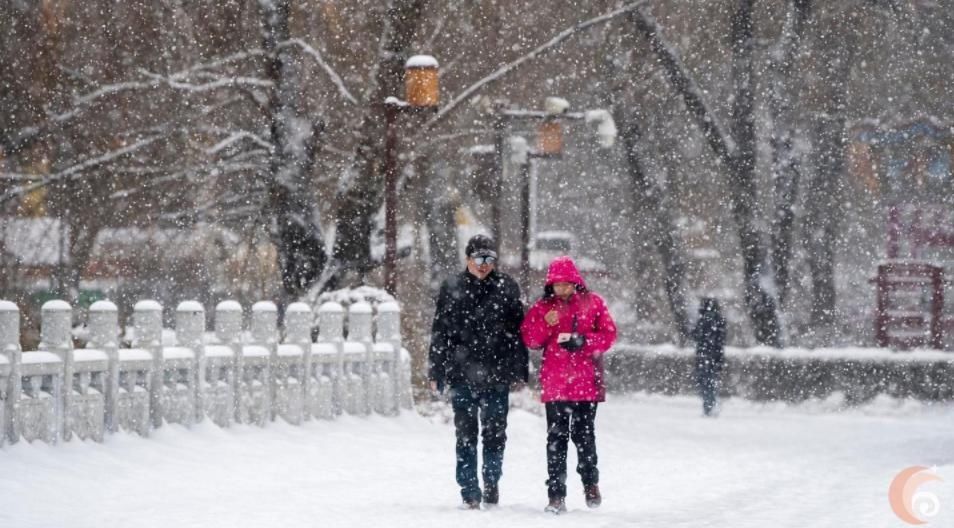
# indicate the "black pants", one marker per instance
pixel 708 380
pixel 491 406
pixel 565 421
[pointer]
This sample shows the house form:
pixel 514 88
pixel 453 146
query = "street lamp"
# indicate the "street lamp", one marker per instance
pixel 549 144
pixel 422 93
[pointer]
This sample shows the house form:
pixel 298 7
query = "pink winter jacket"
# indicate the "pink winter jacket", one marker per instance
pixel 566 375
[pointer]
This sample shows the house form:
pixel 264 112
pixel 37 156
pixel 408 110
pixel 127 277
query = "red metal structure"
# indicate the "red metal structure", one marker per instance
pixel 909 167
pixel 910 310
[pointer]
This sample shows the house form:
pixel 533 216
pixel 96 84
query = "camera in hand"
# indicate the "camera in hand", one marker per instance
pixel 571 342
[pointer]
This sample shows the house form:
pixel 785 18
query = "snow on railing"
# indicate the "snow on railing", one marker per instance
pixel 232 375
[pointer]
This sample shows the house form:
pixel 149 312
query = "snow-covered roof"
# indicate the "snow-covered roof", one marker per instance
pixel 31 241
pixel 36 241
pixel 549 235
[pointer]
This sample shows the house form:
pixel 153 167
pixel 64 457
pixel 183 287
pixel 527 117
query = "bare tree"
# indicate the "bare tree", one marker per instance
pixel 782 93
pixel 737 152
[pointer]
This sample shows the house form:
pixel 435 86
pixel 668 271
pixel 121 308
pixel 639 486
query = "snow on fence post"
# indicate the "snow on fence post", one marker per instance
pixel 224 365
pixel 286 365
pixel 297 343
pixel 389 331
pixel 330 351
pixel 147 322
pixel 103 335
pixel 264 330
pixel 358 351
pixel 10 377
pixel 55 318
pixel 254 383
pixel 190 325
pixel 128 379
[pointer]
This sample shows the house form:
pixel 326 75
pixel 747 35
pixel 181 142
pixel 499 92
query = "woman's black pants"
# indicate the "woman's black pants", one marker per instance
pixel 566 421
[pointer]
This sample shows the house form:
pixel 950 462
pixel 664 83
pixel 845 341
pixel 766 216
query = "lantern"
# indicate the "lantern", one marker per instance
pixel 550 139
pixel 421 86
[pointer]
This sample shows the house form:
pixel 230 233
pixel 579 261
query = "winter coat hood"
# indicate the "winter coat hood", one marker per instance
pixel 563 269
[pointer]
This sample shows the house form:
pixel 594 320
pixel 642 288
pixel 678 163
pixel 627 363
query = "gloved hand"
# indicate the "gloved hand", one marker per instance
pixel 574 343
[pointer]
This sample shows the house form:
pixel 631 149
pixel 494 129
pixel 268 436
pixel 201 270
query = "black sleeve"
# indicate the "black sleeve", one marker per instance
pixel 440 336
pixel 720 334
pixel 520 358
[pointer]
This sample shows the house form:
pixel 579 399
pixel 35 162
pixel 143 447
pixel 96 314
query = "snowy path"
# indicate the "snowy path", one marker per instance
pixel 662 466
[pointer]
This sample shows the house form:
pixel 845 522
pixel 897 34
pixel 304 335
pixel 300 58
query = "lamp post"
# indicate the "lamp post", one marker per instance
pixel 422 93
pixel 549 144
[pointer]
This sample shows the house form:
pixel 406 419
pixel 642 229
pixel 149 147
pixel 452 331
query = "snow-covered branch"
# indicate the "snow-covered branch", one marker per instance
pixel 680 78
pixel 536 52
pixel 228 59
pixel 237 136
pixel 224 81
pixel 335 78
pixel 78 169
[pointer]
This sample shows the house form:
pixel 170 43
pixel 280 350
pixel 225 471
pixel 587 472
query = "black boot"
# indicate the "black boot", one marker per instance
pixel 491 494
pixel 556 506
pixel 592 495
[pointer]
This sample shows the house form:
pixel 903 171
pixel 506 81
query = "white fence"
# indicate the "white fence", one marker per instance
pixel 230 376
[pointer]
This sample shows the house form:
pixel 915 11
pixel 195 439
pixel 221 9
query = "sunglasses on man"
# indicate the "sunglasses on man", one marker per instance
pixel 484 259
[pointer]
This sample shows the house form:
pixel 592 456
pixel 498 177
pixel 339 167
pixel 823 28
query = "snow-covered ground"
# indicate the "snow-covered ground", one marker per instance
pixel 662 465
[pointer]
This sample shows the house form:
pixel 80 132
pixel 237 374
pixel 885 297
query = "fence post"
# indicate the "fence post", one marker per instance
pixel 56 317
pixel 228 331
pixel 359 331
pixel 331 330
pixel 190 325
pixel 10 348
pixel 147 321
pixel 389 331
pixel 104 335
pixel 298 320
pixel 264 329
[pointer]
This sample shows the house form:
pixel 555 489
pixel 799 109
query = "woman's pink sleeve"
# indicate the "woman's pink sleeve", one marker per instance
pixel 604 331
pixel 534 328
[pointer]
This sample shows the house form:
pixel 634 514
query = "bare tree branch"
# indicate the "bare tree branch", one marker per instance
pixel 499 74
pixel 238 136
pixel 719 140
pixel 335 78
pixel 78 169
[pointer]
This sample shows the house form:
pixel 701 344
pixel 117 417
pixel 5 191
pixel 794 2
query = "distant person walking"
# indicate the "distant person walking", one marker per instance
pixel 477 354
pixel 709 335
pixel 574 328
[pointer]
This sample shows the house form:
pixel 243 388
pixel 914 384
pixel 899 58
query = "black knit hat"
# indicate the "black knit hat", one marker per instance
pixel 481 246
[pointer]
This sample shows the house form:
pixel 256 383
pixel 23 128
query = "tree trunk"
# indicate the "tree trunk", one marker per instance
pixel 785 169
pixel 441 206
pixel 825 207
pixel 291 208
pixel 362 197
pixel 760 304
pixel 656 209
pixel 823 213
pixel 737 152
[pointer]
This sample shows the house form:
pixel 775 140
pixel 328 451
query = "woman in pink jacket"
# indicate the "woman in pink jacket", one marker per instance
pixel 574 328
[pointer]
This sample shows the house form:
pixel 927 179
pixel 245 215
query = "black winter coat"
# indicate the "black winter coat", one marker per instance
pixel 709 335
pixel 475 338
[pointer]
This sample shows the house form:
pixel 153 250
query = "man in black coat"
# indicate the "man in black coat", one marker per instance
pixel 476 352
